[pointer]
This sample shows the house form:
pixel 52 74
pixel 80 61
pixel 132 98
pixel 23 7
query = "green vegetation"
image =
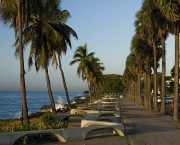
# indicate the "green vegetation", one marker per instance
pixel 33 22
pixel 46 121
pixel 90 68
pixel 112 83
pixel 154 21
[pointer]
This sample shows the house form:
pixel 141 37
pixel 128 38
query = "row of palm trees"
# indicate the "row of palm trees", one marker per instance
pixel 41 23
pixel 90 68
pixel 154 22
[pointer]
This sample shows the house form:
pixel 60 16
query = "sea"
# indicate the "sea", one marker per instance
pixel 10 102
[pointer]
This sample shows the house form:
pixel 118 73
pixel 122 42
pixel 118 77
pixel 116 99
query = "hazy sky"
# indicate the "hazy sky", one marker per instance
pixel 107 26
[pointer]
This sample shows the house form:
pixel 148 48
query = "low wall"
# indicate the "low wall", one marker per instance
pixel 80 111
pixel 63 135
pixel 93 116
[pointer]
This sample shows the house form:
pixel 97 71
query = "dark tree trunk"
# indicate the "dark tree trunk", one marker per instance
pixel 145 90
pixel 155 77
pixel 22 72
pixel 139 88
pixel 49 91
pixel 64 83
pixel 163 86
pixel 176 76
pixel 135 89
pixel 149 81
pixel 89 92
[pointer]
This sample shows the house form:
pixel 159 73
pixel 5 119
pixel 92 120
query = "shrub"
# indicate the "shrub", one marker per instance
pixel 48 121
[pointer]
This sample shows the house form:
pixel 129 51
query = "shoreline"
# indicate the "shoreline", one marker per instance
pixel 46 108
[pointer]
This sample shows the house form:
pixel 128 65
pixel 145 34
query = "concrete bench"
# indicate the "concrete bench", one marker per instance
pixel 63 135
pixel 87 123
pixel 80 111
pixel 103 103
pixel 107 119
pixel 111 99
pixel 94 116
pixel 100 106
pixel 63 117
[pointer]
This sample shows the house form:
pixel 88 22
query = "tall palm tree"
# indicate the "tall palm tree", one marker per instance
pixel 147 13
pixel 171 10
pixel 17 13
pixel 82 57
pixel 60 47
pixel 141 31
pixel 95 75
pixel 163 26
pixel 138 48
pixel 42 23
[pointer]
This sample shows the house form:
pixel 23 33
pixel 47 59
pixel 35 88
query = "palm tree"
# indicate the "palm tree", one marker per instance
pixel 82 57
pixel 170 10
pixel 61 46
pixel 42 26
pixel 12 13
pixel 139 65
pixel 95 77
pixel 163 26
pixel 147 12
pixel 141 31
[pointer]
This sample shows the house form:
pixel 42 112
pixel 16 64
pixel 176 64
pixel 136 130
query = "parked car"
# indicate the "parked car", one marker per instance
pixel 171 105
pixel 168 100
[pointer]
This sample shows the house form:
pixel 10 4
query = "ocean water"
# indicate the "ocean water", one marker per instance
pixel 10 102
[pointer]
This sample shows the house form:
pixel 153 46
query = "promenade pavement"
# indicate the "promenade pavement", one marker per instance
pixel 142 127
pixel 145 127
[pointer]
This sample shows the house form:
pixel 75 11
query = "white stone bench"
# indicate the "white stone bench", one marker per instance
pixel 100 106
pixel 63 117
pixel 79 111
pixel 87 123
pixel 103 103
pixel 63 135
pixel 107 119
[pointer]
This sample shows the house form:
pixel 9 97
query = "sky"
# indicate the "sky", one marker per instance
pixel 106 26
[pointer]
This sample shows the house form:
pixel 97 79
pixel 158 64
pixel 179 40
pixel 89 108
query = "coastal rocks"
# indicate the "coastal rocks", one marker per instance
pixel 36 115
pixel 64 108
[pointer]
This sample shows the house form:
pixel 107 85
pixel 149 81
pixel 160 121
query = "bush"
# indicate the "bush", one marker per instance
pixel 48 121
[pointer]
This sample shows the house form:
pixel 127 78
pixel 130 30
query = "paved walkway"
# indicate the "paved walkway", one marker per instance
pixel 142 127
pixel 145 127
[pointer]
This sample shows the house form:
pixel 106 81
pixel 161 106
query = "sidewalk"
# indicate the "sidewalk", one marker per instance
pixel 142 127
pixel 145 127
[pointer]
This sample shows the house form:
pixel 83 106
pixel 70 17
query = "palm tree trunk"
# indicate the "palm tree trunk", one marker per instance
pixel 163 87
pixel 64 82
pixel 145 90
pixel 89 92
pixel 149 81
pixel 176 76
pixel 139 88
pixel 22 72
pixel 129 90
pixel 49 91
pixel 135 89
pixel 155 78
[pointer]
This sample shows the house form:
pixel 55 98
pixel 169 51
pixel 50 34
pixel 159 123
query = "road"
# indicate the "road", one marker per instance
pixel 168 111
